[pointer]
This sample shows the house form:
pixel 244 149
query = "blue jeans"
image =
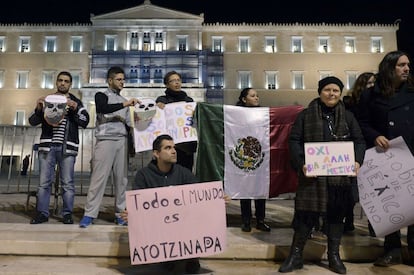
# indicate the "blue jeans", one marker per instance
pixel 66 164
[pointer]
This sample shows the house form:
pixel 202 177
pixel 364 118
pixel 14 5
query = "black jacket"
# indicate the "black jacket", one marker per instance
pixel 75 118
pixel 389 117
pixel 296 143
pixel 171 97
pixel 151 177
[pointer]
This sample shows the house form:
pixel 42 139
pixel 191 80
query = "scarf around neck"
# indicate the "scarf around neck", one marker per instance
pixel 314 121
pixel 177 96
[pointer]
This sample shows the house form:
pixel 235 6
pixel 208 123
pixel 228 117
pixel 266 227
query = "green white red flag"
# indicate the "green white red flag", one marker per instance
pixel 246 148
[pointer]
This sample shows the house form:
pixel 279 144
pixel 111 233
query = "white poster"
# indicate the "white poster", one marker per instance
pixel 176 120
pixel 386 187
pixel 334 158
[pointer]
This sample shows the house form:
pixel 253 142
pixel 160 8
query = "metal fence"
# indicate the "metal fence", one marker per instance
pixel 18 141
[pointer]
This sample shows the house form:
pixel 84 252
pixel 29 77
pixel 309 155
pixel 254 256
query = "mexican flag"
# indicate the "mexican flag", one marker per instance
pixel 246 148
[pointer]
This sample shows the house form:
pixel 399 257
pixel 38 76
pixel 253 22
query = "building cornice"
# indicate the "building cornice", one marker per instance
pixel 240 27
pixel 28 27
pixel 198 25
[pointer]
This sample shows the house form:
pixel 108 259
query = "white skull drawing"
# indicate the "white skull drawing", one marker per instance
pixel 55 109
pixel 146 109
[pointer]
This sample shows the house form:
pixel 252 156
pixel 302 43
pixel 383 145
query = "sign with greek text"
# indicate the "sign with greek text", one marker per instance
pixel 176 222
pixel 176 120
pixel 335 158
pixel 386 187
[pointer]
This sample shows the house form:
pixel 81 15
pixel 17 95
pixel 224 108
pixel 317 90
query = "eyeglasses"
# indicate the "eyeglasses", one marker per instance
pixel 174 80
pixel 329 119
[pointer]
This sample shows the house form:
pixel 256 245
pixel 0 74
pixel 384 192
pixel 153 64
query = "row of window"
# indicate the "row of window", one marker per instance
pixel 156 42
pixel 48 79
pixel 272 79
pixel 297 44
pixel 215 82
pixel 49 44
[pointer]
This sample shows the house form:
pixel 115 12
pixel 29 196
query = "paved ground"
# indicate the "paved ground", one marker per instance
pixel 15 209
pixel 19 208
pixel 26 265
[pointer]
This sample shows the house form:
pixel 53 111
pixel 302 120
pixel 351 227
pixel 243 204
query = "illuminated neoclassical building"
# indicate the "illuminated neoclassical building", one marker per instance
pixel 282 61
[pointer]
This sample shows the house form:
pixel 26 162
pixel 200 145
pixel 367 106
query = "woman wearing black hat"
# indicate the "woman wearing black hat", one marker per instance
pixel 324 120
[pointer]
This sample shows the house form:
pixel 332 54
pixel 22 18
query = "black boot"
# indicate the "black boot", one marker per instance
pixel 390 258
pixel 349 218
pixel 262 226
pixel 295 258
pixel 349 223
pixel 410 260
pixel 371 230
pixel 246 227
pixel 410 242
pixel 335 232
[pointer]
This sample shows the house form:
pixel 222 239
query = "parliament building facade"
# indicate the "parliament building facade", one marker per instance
pixel 283 62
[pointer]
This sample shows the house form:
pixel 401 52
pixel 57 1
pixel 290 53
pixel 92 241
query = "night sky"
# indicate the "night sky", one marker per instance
pixel 258 11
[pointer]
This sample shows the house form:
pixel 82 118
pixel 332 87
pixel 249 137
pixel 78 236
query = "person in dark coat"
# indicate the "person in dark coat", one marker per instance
pixel 249 98
pixel 163 170
pixel 324 120
pixel 26 162
pixel 364 81
pixel 173 93
pixel 385 112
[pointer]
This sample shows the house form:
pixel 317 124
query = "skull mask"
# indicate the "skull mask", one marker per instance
pixel 146 109
pixel 55 109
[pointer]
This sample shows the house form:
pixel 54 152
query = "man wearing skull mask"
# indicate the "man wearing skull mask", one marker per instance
pixel 59 144
pixel 110 152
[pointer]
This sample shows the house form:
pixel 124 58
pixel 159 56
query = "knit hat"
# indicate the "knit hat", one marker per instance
pixel 329 80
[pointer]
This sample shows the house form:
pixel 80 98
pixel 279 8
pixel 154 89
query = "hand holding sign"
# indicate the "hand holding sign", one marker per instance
pixel 386 187
pixel 176 222
pixel 330 158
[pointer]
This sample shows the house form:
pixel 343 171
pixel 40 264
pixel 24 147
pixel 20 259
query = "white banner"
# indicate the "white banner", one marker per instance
pixel 386 187
pixel 335 158
pixel 246 139
pixel 176 120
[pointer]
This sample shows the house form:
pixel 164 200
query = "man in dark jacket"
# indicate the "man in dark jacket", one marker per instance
pixel 26 162
pixel 163 170
pixel 385 112
pixel 59 144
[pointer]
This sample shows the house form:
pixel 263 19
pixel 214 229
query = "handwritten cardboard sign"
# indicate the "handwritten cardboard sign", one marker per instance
pixel 176 222
pixel 336 158
pixel 386 187
pixel 176 120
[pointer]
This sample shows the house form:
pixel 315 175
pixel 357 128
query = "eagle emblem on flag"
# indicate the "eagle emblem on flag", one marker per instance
pixel 247 153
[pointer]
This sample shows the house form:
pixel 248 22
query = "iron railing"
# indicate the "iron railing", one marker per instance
pixel 18 141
